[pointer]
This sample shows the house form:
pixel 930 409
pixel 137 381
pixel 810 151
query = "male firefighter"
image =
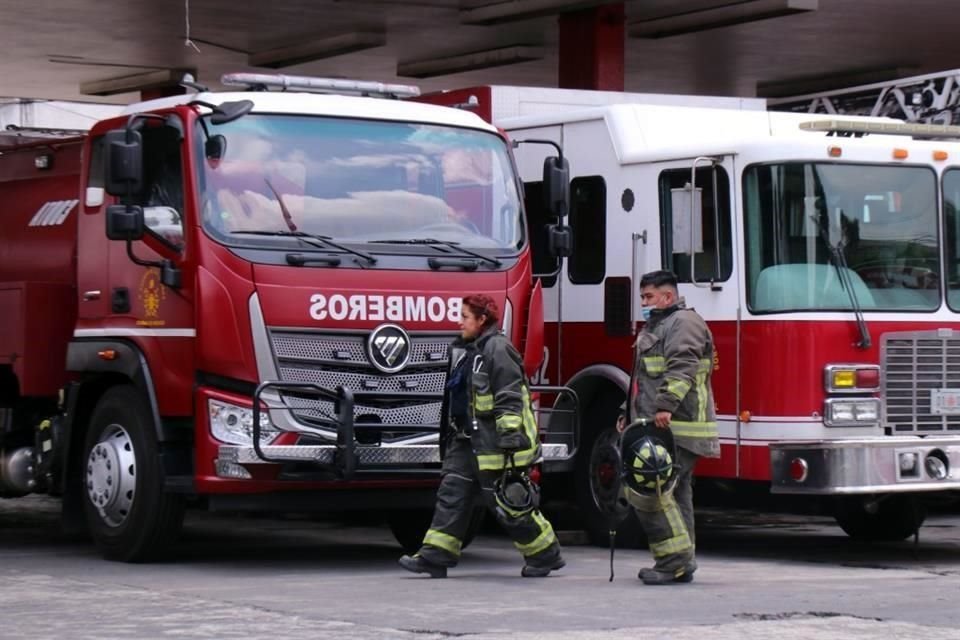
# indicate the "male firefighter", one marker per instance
pixel 490 437
pixel 671 385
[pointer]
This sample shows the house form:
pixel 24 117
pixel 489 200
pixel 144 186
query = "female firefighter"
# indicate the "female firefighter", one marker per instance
pixel 489 434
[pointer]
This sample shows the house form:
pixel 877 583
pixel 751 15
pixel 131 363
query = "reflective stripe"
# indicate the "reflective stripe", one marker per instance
pixel 693 429
pixel 680 541
pixel 678 388
pixel 542 542
pixel 701 397
pixel 483 402
pixel 678 544
pixel 496 462
pixel 509 422
pixel 654 364
pixel 443 541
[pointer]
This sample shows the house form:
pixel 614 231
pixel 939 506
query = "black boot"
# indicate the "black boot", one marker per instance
pixel 416 564
pixel 680 576
pixel 542 570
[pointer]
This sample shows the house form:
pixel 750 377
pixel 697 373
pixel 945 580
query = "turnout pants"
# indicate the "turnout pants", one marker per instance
pixel 668 521
pixel 461 485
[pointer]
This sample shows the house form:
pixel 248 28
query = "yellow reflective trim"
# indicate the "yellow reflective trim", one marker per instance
pixel 672 512
pixel 443 541
pixel 693 429
pixel 509 422
pixel 678 544
pixel 483 402
pixel 542 542
pixel 496 462
pixel 654 364
pixel 529 420
pixel 678 388
pixel 701 397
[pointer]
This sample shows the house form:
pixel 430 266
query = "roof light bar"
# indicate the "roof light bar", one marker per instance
pixel 265 81
pixel 883 128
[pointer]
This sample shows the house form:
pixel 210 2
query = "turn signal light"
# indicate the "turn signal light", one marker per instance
pixel 852 378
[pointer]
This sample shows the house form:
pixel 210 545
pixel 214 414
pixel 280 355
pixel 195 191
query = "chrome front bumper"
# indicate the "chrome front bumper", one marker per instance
pixel 366 456
pixel 869 465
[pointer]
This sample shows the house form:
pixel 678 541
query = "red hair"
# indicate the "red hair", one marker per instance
pixel 483 305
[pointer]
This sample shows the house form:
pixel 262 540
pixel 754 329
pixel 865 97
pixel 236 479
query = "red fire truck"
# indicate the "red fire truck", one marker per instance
pixel 246 299
pixel 824 251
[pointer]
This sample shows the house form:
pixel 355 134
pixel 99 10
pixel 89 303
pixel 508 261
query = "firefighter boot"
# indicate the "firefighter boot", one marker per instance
pixel 679 576
pixel 542 570
pixel 417 564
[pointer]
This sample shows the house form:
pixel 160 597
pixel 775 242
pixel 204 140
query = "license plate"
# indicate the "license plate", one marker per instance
pixel 945 402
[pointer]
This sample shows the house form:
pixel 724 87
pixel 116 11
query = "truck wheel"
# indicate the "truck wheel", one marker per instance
pixel 895 517
pixel 409 527
pixel 591 478
pixel 130 516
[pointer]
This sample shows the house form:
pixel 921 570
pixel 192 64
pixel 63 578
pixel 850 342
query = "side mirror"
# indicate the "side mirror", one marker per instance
pixel 215 148
pixel 556 185
pixel 124 222
pixel 123 160
pixel 559 241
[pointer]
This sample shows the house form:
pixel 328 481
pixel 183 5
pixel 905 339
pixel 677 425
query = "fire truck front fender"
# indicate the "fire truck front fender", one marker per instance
pixel 101 361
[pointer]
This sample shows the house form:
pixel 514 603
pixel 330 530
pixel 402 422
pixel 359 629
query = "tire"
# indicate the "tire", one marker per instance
pixel 587 477
pixel 129 515
pixel 892 518
pixel 410 526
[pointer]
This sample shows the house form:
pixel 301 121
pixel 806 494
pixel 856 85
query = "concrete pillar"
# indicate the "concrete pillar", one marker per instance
pixel 592 48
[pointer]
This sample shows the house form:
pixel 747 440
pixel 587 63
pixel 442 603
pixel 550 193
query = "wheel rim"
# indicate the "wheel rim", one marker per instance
pixel 604 472
pixel 111 475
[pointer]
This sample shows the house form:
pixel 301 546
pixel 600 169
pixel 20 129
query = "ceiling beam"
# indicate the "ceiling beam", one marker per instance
pixel 318 49
pixel 735 13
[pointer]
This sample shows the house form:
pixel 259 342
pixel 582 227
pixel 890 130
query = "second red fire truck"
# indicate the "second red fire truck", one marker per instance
pixel 824 252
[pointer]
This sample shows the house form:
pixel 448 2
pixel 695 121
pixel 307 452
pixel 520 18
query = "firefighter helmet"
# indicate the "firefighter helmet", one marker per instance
pixel 648 457
pixel 515 494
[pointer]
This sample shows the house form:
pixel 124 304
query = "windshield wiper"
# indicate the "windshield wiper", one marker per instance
pixel 431 242
pixel 840 264
pixel 316 240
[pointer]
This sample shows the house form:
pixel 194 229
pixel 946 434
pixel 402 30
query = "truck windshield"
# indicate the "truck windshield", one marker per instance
pixel 359 181
pixel 881 219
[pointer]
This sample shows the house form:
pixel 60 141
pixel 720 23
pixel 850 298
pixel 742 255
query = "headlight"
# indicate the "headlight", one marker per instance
pixel 860 412
pixel 233 424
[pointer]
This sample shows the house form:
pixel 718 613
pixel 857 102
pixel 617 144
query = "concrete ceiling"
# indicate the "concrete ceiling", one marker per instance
pixel 52 46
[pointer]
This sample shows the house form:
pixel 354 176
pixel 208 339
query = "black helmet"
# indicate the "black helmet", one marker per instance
pixel 515 494
pixel 649 456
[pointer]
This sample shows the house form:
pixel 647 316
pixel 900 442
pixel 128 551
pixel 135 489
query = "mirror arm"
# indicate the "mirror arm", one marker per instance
pixel 169 273
pixel 517 143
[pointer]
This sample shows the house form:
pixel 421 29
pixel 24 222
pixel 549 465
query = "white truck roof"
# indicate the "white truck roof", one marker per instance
pixel 512 102
pixel 297 103
pixel 648 126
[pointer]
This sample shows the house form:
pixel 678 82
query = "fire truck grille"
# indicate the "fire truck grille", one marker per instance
pixel 332 360
pixel 914 365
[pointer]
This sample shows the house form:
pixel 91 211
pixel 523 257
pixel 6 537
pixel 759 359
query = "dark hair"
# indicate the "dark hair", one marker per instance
pixel 659 279
pixel 483 305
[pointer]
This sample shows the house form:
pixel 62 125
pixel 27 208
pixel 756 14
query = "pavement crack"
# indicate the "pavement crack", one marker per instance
pixel 792 615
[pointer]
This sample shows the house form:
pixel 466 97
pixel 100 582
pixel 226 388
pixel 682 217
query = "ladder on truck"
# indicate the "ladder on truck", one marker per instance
pixel 933 99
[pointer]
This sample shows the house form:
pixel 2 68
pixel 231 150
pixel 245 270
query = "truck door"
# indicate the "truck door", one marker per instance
pixel 92 249
pixel 138 300
pixel 696 199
